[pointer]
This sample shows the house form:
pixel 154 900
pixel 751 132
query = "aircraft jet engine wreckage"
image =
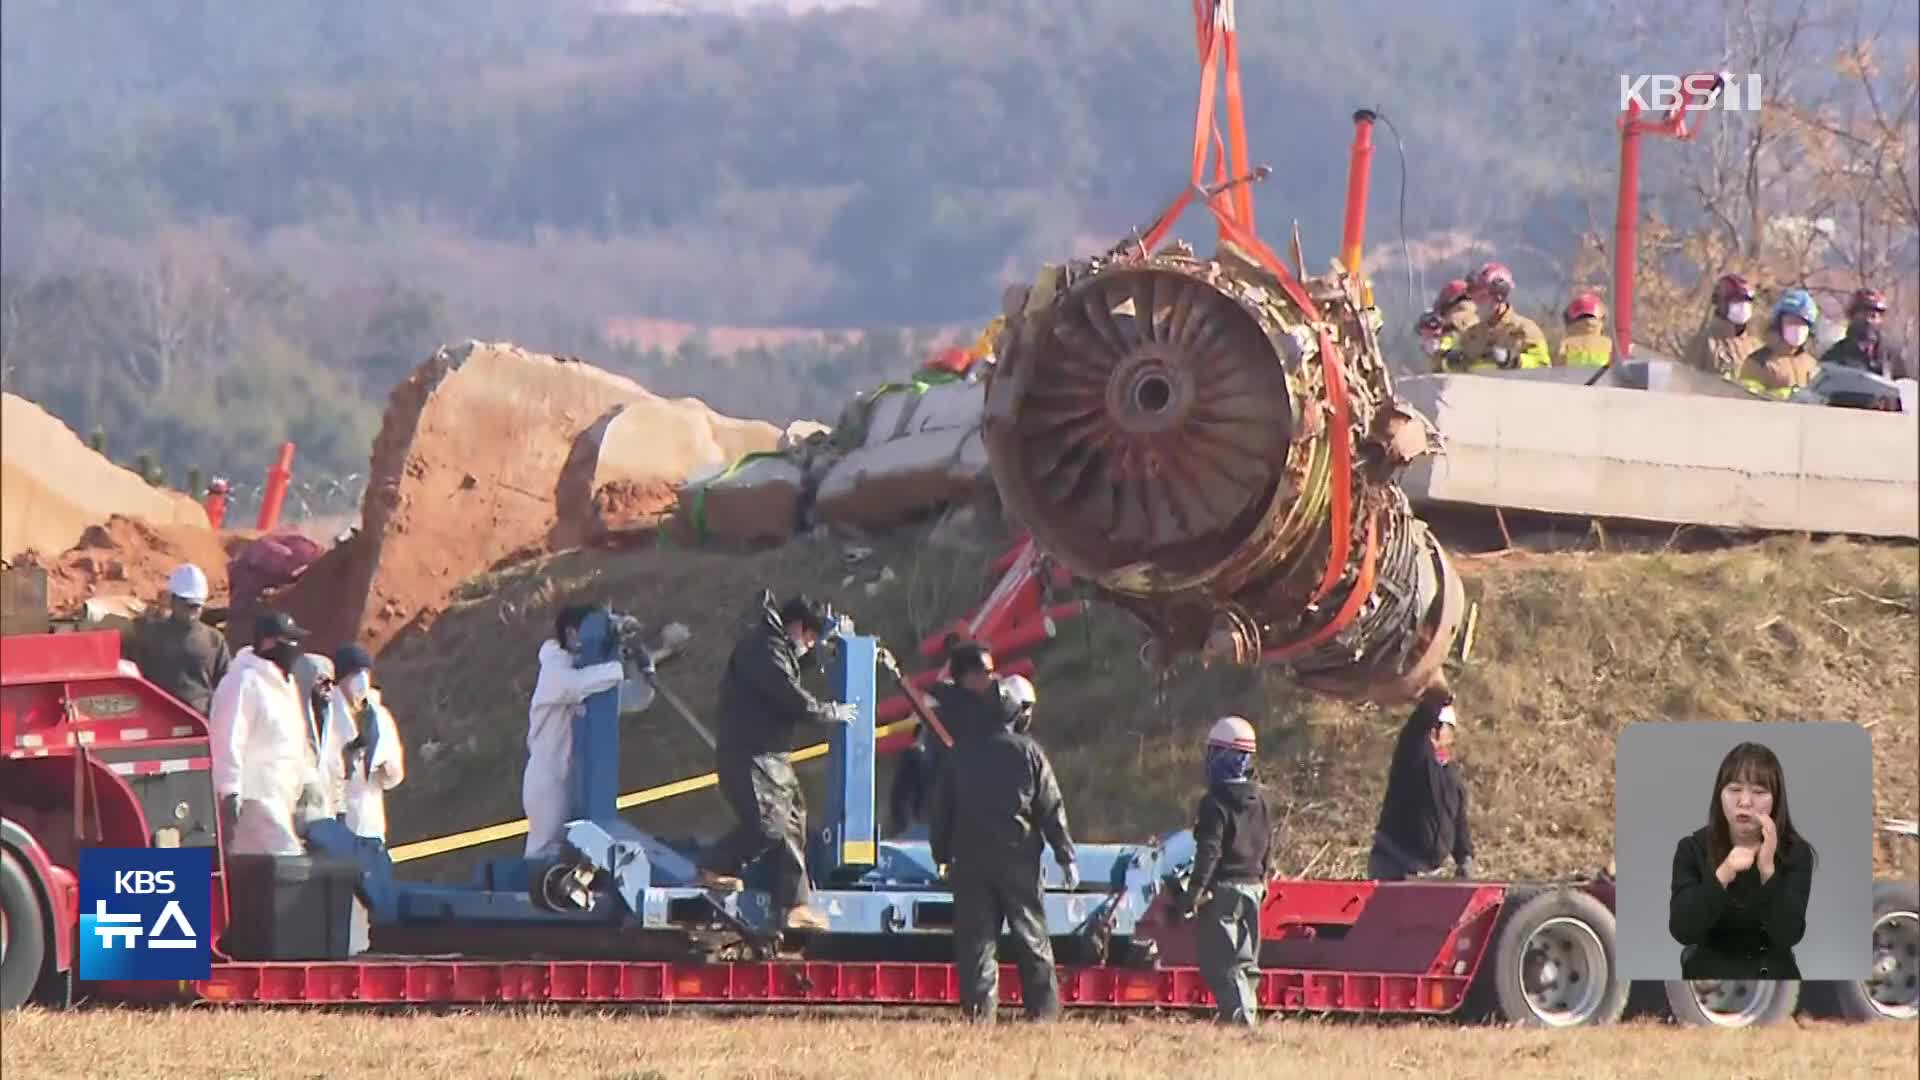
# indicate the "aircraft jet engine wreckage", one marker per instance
pixel 1213 443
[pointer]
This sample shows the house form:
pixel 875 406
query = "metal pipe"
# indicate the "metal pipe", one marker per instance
pixel 276 490
pixel 1625 216
pixel 1359 173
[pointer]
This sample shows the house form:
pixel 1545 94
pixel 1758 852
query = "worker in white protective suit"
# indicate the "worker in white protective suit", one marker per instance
pixel 361 759
pixel 262 750
pixel 559 696
pixel 360 752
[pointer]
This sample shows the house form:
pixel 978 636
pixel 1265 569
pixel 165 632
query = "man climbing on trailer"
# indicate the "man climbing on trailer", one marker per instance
pixel 1424 815
pixel 559 696
pixel 262 751
pixel 1586 344
pixel 1232 848
pixel 762 701
pixel 178 652
pixel 1725 342
pixel 1863 347
pixel 995 805
pixel 1503 339
pixel 1784 364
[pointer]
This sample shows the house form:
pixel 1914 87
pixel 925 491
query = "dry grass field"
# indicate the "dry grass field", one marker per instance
pixel 595 1046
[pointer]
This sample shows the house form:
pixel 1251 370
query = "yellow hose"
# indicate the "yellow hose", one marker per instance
pixel 421 849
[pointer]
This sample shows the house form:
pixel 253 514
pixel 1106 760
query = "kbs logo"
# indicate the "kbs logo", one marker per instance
pixel 145 913
pixel 1694 93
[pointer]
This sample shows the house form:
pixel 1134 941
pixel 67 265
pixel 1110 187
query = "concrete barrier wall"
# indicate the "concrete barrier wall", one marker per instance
pixel 1676 458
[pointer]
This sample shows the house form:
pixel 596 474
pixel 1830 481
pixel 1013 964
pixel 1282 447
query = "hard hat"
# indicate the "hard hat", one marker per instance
pixel 1799 304
pixel 188 583
pixel 1731 287
pixel 1867 299
pixel 1450 294
pixel 1493 279
pixel 1233 732
pixel 1019 691
pixel 1431 324
pixel 1584 306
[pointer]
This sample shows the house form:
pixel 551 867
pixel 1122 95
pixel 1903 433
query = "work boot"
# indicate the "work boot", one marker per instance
pixel 709 879
pixel 802 917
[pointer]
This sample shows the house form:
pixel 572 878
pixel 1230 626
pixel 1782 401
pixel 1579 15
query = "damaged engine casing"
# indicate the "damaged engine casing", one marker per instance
pixel 1163 426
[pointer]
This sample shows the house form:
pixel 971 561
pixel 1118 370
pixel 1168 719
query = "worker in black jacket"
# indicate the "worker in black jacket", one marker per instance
pixel 966 703
pixel 1863 347
pixel 995 802
pixel 761 702
pixel 1232 840
pixel 1741 884
pixel 1424 816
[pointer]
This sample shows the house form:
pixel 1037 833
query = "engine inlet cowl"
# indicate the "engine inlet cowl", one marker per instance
pixel 1187 437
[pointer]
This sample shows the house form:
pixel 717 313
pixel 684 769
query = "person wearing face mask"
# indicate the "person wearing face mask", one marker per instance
pixel 559 695
pixel 1723 344
pixel 1232 856
pixel 1424 815
pixel 360 749
pixel 995 806
pixel 1863 347
pixel 1784 364
pixel 1503 339
pixel 178 652
pixel 1586 344
pixel 1741 884
pixel 762 703
pixel 260 743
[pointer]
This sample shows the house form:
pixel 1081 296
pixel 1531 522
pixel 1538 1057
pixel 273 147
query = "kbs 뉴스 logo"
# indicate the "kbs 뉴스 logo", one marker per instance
pixel 145 913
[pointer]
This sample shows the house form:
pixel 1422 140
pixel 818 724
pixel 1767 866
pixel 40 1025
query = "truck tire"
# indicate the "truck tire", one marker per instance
pixel 1732 1002
pixel 1892 991
pixel 23 934
pixel 1554 962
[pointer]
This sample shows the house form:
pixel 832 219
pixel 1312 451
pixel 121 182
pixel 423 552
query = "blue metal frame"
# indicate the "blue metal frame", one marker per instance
pixel 875 887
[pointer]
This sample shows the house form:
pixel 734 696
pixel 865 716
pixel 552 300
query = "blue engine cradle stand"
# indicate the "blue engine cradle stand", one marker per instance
pixel 622 878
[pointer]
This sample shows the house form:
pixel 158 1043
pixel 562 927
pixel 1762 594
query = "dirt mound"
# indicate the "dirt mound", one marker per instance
pixel 128 557
pixel 1568 649
pixel 53 486
pixel 467 474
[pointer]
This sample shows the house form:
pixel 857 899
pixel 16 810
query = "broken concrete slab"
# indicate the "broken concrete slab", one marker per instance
pixel 754 503
pixel 921 449
pixel 623 472
pixel 1644 455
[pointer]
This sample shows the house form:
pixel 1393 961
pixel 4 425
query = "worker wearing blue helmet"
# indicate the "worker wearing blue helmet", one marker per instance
pixel 1784 364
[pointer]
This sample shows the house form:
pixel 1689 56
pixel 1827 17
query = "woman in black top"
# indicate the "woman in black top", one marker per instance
pixel 1740 885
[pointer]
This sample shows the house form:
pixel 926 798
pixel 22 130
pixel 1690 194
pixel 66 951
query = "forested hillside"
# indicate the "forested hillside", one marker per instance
pixel 227 224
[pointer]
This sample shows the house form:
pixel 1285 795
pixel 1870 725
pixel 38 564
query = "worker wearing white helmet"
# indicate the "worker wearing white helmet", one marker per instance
pixel 1232 849
pixel 177 651
pixel 1424 816
pixel 1018 697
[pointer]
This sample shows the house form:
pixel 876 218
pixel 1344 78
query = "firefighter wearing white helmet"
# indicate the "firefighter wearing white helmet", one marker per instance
pixel 1232 850
pixel 176 650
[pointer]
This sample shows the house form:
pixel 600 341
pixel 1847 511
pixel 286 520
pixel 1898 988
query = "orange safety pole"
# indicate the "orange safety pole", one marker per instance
pixel 1359 173
pixel 276 490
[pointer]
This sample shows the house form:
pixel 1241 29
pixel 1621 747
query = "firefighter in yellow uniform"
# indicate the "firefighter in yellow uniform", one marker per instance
pixel 1455 308
pixel 1504 339
pixel 1586 344
pixel 1722 346
pixel 1783 365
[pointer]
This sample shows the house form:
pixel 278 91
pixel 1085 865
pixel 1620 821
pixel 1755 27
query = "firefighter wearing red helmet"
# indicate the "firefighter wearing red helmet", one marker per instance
pixel 1504 339
pixel 1586 344
pixel 1454 306
pixel 1863 346
pixel 1728 337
